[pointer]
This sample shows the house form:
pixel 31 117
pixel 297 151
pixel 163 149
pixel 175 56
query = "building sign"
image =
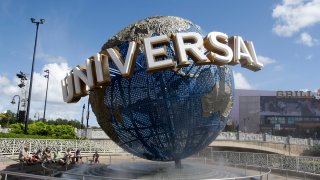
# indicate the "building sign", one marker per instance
pixel 294 94
pixel 298 94
pixel 294 106
pixel 220 49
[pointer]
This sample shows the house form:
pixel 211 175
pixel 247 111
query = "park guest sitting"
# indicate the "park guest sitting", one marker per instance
pixel 77 156
pixel 67 156
pixel 47 154
pixel 38 155
pixel 57 156
pixel 24 155
pixel 96 157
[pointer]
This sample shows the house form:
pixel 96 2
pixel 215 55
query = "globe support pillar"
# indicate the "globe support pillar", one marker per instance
pixel 178 164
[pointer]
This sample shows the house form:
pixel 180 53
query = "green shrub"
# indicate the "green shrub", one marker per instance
pixel 313 151
pixel 45 130
pixel 13 135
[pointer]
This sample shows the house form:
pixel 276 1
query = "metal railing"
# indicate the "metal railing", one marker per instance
pixel 12 146
pixel 26 175
pixel 303 164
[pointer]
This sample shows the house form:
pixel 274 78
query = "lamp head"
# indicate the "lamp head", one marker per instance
pixel 42 21
pixel 21 85
pixel 47 71
pixel 13 102
pixel 33 20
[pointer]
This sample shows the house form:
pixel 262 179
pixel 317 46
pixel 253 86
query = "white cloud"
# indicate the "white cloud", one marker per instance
pixel 278 67
pixel 57 73
pixel 6 87
pixel 304 90
pixel 51 59
pixel 7 91
pixel 293 15
pixel 56 108
pixel 309 56
pixel 266 60
pixel 4 80
pixel 307 40
pixel 241 82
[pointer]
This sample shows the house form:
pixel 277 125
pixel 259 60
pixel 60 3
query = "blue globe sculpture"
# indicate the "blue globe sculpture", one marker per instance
pixel 167 115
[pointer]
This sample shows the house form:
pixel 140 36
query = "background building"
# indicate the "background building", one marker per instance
pixel 258 111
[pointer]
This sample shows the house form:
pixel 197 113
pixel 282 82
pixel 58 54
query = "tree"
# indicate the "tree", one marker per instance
pixel 59 121
pixel 7 118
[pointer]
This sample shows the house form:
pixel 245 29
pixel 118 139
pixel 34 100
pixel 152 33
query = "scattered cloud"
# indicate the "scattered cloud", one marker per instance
pixel 293 15
pixel 57 73
pixel 309 57
pixel 278 67
pixel 307 40
pixel 56 108
pixel 51 59
pixel 4 80
pixel 6 87
pixel 241 82
pixel 7 91
pixel 266 60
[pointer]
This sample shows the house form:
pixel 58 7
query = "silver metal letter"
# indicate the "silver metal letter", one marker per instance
pixel 126 68
pixel 189 43
pixel 219 51
pixel 152 53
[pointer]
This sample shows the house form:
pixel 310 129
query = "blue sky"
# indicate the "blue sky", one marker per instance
pixel 285 34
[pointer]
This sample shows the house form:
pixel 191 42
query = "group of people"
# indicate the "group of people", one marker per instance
pixel 38 156
pixel 46 155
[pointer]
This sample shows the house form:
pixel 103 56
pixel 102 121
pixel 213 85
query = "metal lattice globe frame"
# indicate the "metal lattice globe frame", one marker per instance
pixel 167 115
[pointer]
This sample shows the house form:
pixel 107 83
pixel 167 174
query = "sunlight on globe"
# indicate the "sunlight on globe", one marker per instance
pixel 167 115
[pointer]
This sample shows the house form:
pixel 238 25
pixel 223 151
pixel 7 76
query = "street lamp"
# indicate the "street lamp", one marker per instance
pixel 13 102
pixel 35 115
pixel 45 101
pixel 88 113
pixel 83 108
pixel 32 67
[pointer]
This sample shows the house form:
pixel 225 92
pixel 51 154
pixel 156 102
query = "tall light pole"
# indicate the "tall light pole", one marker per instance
pixel 13 102
pixel 32 67
pixel 35 115
pixel 83 108
pixel 88 113
pixel 82 125
pixel 45 101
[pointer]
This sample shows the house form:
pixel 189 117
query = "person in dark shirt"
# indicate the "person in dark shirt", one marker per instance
pixel 96 157
pixel 77 156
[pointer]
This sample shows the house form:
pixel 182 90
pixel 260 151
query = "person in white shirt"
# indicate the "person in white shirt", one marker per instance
pixel 24 155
